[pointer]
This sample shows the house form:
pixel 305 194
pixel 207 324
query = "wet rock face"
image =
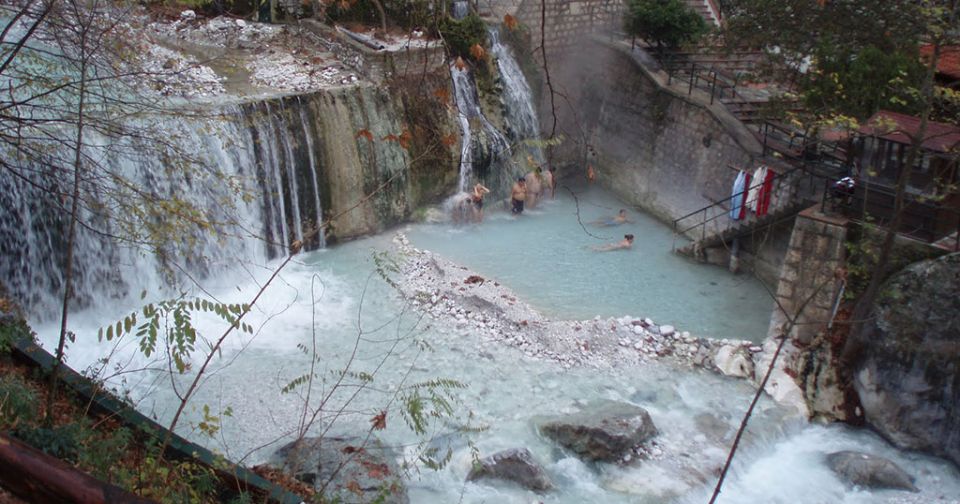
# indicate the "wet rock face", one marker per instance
pixel 908 381
pixel 604 431
pixel 515 465
pixel 869 471
pixel 368 472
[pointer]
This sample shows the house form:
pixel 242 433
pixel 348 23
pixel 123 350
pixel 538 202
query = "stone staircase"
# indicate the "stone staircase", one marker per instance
pixel 709 10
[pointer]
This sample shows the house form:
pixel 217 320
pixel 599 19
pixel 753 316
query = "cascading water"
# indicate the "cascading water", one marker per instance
pixel 488 147
pixel 524 126
pixel 260 160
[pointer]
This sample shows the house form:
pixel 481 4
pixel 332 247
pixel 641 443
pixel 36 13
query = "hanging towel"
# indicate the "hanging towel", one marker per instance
pixel 736 198
pixel 766 192
pixel 753 193
pixel 743 194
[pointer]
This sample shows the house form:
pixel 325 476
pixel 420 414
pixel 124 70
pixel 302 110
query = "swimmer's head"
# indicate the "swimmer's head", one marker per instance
pixel 629 237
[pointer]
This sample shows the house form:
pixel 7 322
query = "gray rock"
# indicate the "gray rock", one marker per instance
pixel 367 472
pixel 515 465
pixel 605 430
pixel 869 471
pixel 908 380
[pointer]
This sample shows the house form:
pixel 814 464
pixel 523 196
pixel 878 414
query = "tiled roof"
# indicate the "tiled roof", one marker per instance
pixel 900 128
pixel 949 62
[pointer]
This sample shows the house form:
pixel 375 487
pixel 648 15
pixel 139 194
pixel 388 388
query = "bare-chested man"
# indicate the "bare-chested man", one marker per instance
pixel 534 181
pixel 518 193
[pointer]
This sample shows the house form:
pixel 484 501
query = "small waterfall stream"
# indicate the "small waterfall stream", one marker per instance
pixel 485 149
pixel 518 99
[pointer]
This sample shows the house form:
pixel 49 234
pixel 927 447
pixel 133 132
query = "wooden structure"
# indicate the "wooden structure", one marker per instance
pixel 879 154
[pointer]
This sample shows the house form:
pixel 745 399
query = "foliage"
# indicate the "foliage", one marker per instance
pixel 12 332
pixel 668 23
pixel 462 35
pixel 170 322
pixel 17 402
pixel 863 82
pixel 407 14
pixel 863 252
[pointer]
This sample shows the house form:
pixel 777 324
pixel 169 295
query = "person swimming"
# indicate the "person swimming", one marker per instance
pixel 616 220
pixel 625 243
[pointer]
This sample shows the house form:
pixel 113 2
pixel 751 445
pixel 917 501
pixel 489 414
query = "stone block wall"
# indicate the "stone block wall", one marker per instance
pixel 567 23
pixel 808 284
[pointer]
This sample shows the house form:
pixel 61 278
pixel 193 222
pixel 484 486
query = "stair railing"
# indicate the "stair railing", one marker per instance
pixel 779 180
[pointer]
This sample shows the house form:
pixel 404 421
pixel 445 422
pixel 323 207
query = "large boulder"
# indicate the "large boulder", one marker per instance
pixel 605 430
pixel 515 465
pixel 869 471
pixel 908 381
pixel 345 469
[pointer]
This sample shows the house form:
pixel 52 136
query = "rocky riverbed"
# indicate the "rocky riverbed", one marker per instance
pixel 458 299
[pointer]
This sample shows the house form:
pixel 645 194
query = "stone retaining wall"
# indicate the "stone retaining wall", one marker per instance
pixel 808 284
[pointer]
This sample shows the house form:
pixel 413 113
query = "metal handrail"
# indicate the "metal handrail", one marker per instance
pixel 854 204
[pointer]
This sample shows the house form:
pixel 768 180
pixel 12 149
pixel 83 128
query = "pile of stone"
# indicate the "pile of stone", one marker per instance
pixel 451 294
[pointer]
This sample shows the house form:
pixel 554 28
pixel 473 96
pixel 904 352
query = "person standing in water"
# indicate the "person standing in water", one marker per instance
pixel 517 195
pixel 534 187
pixel 479 191
pixel 625 243
pixel 551 180
pixel 591 175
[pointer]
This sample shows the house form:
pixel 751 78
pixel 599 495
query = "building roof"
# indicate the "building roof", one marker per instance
pixel 949 62
pixel 900 128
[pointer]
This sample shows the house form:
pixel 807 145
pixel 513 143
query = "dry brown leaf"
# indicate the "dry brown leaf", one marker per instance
pixel 354 487
pixel 365 133
pixel 379 421
pixel 510 22
pixel 442 94
pixel 405 139
pixel 477 51
pixel 449 140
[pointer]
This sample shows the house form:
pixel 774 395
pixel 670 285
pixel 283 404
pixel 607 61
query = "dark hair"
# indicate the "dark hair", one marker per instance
pixel 628 236
pixel 521 179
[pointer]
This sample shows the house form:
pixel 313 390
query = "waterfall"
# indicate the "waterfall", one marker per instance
pixel 317 204
pixel 253 177
pixel 460 9
pixel 518 99
pixel 496 149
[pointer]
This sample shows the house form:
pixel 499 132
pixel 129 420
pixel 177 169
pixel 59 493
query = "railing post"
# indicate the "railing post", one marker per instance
pixel 693 73
pixel 703 229
pixel 713 86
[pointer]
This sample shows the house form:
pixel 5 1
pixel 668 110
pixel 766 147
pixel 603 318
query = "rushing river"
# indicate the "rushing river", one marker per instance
pixel 335 296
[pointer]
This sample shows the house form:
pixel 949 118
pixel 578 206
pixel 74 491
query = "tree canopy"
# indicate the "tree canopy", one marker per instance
pixel 668 23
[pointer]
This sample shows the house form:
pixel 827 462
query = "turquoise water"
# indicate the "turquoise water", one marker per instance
pixel 545 255
pixel 333 297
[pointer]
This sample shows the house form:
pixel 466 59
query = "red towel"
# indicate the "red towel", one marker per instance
pixel 765 192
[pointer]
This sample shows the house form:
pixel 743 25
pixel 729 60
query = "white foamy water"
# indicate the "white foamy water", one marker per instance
pixel 696 411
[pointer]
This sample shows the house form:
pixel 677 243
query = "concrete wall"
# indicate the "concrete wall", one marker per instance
pixel 808 284
pixel 654 146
